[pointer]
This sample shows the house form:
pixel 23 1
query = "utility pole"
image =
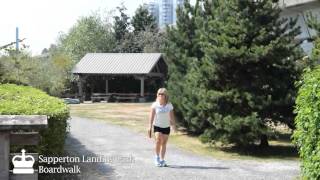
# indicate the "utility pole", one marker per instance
pixel 15 42
pixel 17 39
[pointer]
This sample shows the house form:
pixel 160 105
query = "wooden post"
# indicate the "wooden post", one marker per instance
pixel 4 154
pixel 92 88
pixel 162 82
pixel 107 86
pixel 142 86
pixel 19 122
pixel 80 88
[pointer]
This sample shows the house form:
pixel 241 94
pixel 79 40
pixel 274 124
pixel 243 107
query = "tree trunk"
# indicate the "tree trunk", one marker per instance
pixel 264 141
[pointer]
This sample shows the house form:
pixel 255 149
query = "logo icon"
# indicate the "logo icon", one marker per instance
pixel 23 164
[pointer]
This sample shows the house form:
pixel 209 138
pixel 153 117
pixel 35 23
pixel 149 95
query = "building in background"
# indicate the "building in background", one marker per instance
pixel 164 11
pixel 299 9
pixel 153 8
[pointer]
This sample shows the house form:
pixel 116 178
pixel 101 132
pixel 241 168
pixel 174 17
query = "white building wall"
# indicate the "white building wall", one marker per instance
pixel 153 8
pixel 300 10
pixel 289 3
pixel 165 12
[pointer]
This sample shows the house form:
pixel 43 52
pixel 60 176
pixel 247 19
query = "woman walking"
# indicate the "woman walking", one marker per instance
pixel 160 120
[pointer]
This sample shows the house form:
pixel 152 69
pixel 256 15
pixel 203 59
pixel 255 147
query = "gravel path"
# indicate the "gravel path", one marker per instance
pixel 132 155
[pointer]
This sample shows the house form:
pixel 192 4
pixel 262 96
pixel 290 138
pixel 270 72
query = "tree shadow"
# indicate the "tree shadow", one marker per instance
pixel 272 151
pixel 280 147
pixel 74 148
pixel 282 137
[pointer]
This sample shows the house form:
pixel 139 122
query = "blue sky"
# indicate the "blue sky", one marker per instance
pixel 40 21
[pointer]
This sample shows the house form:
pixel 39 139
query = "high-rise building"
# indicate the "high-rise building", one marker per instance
pixel 164 11
pixel 153 8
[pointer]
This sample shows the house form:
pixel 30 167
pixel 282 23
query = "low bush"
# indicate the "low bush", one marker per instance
pixel 25 100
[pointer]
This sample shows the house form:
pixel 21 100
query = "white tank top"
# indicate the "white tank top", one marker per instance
pixel 162 117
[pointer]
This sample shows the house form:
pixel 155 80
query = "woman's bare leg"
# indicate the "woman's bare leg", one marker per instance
pixel 164 140
pixel 158 143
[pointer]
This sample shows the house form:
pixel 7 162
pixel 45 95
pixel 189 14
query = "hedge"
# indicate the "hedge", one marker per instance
pixel 307 133
pixel 25 100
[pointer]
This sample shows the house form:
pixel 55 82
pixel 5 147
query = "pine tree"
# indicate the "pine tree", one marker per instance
pixel 143 20
pixel 181 50
pixel 144 29
pixel 245 75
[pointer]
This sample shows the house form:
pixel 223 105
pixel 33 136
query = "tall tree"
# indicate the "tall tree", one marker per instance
pixel 245 75
pixel 145 36
pixel 181 49
pixel 143 20
pixel 121 24
pixel 88 35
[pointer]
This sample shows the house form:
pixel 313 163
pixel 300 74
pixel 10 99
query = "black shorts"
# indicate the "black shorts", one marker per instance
pixel 162 130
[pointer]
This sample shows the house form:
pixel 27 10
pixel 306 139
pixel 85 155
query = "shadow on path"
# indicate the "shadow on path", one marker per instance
pixel 92 171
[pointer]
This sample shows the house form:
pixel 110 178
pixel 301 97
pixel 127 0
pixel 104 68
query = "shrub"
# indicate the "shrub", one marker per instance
pixel 307 133
pixel 25 100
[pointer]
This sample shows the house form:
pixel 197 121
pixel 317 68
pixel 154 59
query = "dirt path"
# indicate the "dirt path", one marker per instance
pixel 132 156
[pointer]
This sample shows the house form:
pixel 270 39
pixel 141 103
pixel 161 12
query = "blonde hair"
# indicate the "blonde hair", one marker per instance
pixel 165 92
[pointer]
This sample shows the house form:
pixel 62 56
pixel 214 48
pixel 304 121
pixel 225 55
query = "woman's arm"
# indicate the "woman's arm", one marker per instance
pixel 172 121
pixel 151 119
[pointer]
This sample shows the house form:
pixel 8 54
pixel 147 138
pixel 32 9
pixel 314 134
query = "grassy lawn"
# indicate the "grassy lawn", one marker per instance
pixel 135 116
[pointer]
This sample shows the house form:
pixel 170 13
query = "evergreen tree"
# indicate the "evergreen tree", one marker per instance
pixel 313 22
pixel 182 48
pixel 244 77
pixel 144 38
pixel 143 20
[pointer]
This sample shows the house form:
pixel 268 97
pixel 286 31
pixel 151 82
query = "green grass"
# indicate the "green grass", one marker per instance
pixel 135 116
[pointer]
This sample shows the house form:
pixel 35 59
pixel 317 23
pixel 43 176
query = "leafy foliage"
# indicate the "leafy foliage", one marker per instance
pixel 24 100
pixel 88 35
pixel 1 72
pixel 307 135
pixel 50 72
pixel 121 25
pixel 307 120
